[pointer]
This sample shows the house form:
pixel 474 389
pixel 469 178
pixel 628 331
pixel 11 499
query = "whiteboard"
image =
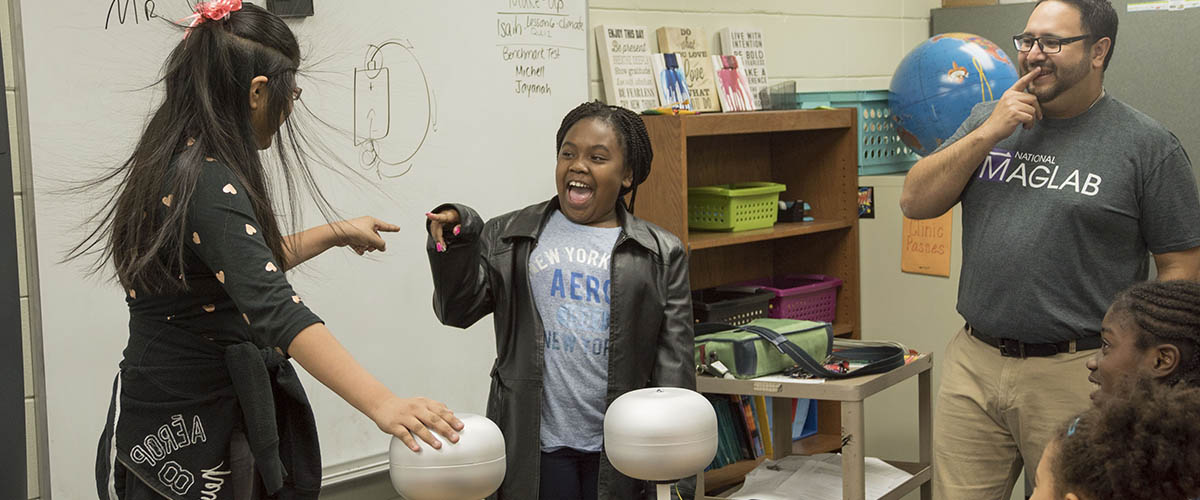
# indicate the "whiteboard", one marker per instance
pixel 428 104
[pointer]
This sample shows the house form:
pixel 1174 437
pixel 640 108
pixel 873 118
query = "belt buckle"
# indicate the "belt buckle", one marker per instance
pixel 1012 348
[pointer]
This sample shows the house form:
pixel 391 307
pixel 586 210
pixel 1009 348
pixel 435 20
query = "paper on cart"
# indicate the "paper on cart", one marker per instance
pixel 816 477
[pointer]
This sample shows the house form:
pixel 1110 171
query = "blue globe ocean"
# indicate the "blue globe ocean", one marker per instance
pixel 937 84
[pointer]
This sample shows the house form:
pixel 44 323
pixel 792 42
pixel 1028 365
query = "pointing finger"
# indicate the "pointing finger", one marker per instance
pixel 1024 81
pixel 386 227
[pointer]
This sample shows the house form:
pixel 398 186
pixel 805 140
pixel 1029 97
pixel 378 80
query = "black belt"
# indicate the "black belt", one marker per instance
pixel 1013 348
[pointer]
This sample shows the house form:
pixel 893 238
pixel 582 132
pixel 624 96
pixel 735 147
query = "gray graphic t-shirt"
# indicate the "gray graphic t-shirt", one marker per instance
pixel 569 273
pixel 1059 218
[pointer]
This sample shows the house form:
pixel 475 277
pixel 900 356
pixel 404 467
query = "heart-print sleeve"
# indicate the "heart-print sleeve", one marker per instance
pixel 227 236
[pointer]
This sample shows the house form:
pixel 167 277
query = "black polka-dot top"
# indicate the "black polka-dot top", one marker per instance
pixel 236 291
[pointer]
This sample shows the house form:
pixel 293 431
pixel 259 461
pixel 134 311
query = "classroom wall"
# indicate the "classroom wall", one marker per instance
pixel 10 36
pixel 822 46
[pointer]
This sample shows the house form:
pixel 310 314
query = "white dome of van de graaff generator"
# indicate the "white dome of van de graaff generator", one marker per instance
pixel 660 433
pixel 470 469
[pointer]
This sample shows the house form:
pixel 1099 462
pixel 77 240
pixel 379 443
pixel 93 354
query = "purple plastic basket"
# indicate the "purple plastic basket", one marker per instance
pixel 802 296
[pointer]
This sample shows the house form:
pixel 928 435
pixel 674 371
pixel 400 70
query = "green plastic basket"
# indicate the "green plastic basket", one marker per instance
pixel 734 207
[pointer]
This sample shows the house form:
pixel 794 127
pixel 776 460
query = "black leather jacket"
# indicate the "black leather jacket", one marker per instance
pixel 484 270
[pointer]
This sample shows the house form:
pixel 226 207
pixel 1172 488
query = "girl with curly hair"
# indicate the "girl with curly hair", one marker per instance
pixel 1140 444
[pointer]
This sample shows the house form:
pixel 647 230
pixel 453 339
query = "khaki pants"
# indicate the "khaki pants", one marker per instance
pixel 995 415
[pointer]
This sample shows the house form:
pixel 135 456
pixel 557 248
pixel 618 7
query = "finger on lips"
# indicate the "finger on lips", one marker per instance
pixel 1023 82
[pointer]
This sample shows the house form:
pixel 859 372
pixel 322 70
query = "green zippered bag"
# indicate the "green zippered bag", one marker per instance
pixel 748 354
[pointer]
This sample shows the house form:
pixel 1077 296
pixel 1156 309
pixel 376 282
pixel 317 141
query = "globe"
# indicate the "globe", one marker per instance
pixel 937 84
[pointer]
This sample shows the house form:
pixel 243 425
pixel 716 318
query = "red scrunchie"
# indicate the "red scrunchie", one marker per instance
pixel 215 10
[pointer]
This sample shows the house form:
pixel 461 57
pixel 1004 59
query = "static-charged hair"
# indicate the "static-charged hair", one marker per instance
pixel 205 112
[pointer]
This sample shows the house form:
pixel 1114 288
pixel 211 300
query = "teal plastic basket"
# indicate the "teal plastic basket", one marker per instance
pixel 880 150
pixel 734 207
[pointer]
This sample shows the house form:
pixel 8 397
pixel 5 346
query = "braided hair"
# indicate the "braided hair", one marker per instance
pixel 1167 312
pixel 631 134
pixel 1140 445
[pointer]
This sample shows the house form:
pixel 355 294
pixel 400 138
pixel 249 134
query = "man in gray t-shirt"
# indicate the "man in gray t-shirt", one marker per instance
pixel 1065 191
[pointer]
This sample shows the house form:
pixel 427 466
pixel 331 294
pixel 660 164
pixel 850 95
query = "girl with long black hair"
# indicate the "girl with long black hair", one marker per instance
pixel 206 404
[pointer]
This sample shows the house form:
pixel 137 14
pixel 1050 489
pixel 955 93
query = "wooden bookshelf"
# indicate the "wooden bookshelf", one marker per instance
pixel 815 154
pixel 843 329
pixel 720 479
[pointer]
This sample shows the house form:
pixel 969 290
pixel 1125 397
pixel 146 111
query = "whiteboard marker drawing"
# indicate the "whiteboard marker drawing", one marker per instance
pixel 123 11
pixel 394 111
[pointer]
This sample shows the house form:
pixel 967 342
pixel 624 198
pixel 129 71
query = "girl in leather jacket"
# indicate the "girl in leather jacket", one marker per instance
pixel 588 302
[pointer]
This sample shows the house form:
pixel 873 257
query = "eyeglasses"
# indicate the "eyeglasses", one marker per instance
pixel 1048 44
pixel 296 93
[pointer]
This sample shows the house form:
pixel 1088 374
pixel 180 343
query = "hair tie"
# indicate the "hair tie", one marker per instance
pixel 214 10
pixel 1071 429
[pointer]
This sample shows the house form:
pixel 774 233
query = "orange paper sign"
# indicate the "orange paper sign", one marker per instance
pixel 926 246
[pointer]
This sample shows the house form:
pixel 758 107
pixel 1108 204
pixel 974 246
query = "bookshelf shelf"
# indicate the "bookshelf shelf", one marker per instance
pixel 706 239
pixel 718 479
pixel 765 121
pixel 817 443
